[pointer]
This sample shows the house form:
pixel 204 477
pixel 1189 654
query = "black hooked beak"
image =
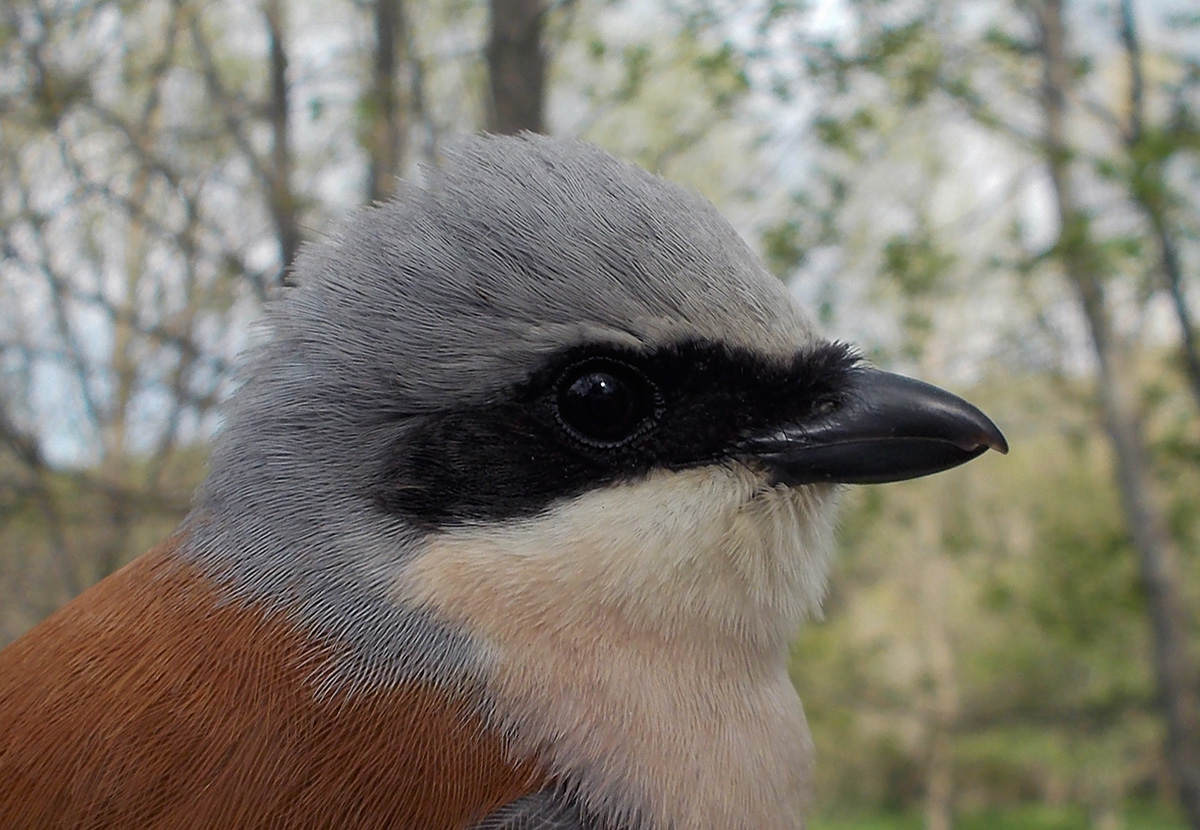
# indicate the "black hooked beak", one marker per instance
pixel 887 428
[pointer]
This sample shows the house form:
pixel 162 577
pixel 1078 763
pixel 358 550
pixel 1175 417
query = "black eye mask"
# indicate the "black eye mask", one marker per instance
pixel 596 415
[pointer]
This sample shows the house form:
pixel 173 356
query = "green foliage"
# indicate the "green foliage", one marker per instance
pixel 784 247
pixel 917 263
pixel 635 59
pixel 843 133
pixel 1026 817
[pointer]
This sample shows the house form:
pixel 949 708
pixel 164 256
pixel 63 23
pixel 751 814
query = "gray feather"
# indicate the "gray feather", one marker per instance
pixel 450 294
pixel 545 810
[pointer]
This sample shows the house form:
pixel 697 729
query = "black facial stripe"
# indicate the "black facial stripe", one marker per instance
pixel 512 459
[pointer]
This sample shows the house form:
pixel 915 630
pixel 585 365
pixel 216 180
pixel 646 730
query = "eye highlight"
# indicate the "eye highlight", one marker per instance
pixel 605 402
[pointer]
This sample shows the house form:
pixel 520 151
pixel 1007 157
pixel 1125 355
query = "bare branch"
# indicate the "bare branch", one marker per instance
pixel 1150 193
pixel 229 109
pixel 280 198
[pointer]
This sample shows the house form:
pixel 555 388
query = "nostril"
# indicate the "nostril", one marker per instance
pixel 827 407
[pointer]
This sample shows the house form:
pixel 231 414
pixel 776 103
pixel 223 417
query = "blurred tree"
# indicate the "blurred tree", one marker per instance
pixel 1148 150
pixel 516 67
pixel 1156 548
pixel 385 131
pixel 121 279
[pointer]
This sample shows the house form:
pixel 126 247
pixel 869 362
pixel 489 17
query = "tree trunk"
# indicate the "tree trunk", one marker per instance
pixel 385 133
pixel 516 67
pixel 1148 186
pixel 1157 552
pixel 934 592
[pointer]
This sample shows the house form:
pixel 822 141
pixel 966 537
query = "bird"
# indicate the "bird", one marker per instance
pixel 528 479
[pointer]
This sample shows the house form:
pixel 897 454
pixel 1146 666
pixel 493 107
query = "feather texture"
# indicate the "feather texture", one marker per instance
pixel 153 701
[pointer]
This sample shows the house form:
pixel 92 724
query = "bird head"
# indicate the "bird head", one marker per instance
pixel 546 405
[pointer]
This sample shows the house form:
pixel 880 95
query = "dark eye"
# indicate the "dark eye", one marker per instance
pixel 605 402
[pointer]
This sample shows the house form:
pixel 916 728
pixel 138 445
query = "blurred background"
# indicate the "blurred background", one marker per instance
pixel 999 196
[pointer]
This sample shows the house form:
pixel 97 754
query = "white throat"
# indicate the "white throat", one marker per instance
pixel 636 638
